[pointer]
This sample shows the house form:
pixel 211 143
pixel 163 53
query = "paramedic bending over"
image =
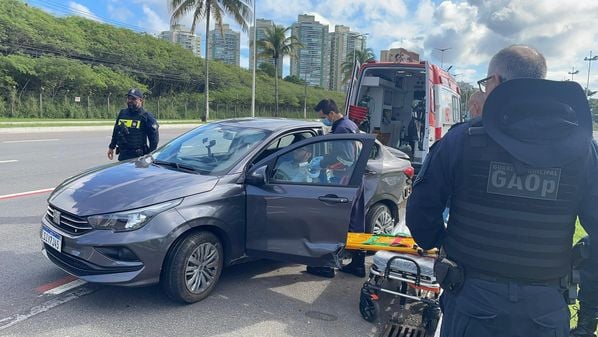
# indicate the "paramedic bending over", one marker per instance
pixel 329 114
pixel 518 179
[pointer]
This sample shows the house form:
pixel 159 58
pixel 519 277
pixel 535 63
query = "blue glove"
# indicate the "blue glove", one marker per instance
pixel 314 167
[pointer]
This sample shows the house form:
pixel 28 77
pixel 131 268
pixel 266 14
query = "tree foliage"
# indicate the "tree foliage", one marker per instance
pixel 276 44
pixel 206 9
pixel 359 56
pixel 75 57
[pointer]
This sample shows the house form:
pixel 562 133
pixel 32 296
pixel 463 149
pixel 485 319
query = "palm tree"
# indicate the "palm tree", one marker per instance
pixel 357 55
pixel 240 10
pixel 276 44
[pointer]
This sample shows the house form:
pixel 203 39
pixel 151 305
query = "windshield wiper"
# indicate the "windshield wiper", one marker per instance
pixel 178 166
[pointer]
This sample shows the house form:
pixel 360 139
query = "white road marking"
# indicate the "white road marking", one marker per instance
pixel 12 320
pixel 30 140
pixel 24 194
pixel 8 161
pixel 65 287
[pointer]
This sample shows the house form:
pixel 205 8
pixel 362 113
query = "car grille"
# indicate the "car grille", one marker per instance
pixel 69 223
pixel 81 267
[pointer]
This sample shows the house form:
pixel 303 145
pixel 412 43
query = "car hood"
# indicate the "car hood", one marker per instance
pixel 126 186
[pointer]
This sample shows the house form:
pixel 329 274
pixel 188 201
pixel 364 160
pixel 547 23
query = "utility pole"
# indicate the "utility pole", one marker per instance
pixel 573 72
pixel 589 59
pixel 88 106
pixel 254 60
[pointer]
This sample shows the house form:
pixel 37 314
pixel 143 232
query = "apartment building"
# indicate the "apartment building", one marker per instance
pixel 262 26
pixel 312 63
pixel 343 44
pixel 182 36
pixel 225 45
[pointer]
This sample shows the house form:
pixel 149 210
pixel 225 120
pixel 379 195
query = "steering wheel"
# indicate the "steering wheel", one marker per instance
pixel 281 175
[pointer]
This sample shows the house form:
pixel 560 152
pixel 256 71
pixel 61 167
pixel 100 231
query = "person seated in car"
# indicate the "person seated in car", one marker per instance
pixel 296 168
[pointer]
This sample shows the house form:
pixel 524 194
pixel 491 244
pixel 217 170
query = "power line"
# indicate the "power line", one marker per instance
pixel 63 9
pixel 34 50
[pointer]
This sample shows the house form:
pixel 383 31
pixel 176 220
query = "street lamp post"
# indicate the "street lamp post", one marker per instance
pixel 305 98
pixel 41 109
pixel 589 59
pixel 108 99
pixel 573 72
pixel 442 50
pixel 355 37
pixel 254 61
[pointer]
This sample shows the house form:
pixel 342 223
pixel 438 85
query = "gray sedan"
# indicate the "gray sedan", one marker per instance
pixel 215 196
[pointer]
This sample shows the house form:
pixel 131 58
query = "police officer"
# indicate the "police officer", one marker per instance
pixel 330 116
pixel 133 129
pixel 588 295
pixel 517 180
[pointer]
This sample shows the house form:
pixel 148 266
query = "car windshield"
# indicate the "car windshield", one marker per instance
pixel 212 149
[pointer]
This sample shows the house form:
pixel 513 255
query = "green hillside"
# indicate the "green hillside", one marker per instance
pixel 46 62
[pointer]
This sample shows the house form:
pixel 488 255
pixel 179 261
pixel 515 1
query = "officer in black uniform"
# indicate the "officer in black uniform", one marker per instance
pixel 518 178
pixel 133 130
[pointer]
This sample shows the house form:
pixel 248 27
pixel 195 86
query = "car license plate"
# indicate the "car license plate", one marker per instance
pixel 53 239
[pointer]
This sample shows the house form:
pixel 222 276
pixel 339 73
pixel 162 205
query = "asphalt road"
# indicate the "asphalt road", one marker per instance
pixel 261 298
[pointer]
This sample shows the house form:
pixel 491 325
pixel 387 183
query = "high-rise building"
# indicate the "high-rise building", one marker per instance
pixel 399 55
pixel 312 63
pixel 181 35
pixel 262 26
pixel 225 45
pixel 343 42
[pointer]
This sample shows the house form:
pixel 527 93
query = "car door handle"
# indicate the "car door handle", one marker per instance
pixel 370 172
pixel 333 199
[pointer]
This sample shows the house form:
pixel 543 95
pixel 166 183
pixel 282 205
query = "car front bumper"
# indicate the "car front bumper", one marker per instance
pixel 93 256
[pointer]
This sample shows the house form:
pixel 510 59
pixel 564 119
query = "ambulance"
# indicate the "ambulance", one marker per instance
pixel 408 104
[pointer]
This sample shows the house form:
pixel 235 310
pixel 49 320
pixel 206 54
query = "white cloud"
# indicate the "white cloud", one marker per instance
pixel 154 22
pixel 119 13
pixel 564 31
pixel 80 10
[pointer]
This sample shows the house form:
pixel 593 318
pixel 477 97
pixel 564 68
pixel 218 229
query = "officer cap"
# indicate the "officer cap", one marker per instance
pixel 539 122
pixel 135 93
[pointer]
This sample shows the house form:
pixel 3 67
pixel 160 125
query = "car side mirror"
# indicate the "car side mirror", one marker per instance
pixel 257 177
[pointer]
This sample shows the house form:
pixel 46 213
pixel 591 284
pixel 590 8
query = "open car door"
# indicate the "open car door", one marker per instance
pixel 299 215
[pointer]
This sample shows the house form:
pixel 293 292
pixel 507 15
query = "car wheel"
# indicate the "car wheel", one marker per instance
pixel 379 220
pixel 193 268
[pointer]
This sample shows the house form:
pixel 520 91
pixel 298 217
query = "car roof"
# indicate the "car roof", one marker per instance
pixel 271 124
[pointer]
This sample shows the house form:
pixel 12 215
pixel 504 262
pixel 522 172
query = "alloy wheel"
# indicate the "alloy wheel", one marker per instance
pixel 201 268
pixel 383 223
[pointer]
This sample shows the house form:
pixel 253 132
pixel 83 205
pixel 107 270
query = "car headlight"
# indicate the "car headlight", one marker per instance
pixel 129 220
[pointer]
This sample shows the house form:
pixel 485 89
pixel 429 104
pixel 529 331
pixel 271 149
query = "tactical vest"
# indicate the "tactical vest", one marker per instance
pixel 510 220
pixel 136 125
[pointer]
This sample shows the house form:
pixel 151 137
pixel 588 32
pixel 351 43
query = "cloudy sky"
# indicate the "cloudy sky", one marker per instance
pixel 565 31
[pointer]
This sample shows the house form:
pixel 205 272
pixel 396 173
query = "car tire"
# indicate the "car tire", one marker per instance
pixel 379 220
pixel 193 268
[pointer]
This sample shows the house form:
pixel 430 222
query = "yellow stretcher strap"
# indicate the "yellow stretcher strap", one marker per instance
pixel 401 244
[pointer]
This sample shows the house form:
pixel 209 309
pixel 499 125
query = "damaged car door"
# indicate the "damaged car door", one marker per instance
pixel 299 211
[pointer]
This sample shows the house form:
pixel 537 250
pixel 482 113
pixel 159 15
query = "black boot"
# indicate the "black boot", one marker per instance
pixel 357 265
pixel 586 326
pixel 320 271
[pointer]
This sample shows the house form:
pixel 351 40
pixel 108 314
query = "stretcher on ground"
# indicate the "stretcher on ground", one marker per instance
pixel 403 270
